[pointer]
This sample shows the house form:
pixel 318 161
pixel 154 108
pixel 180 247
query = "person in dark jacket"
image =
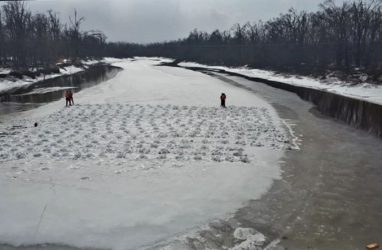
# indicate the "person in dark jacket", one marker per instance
pixel 71 101
pixel 222 100
pixel 67 98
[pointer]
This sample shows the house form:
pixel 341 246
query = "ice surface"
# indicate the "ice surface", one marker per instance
pixel 139 158
pixel 362 91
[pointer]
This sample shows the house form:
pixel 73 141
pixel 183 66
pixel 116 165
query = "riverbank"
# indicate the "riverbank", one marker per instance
pixel 362 112
pixel 29 95
pixel 362 90
pixel 11 80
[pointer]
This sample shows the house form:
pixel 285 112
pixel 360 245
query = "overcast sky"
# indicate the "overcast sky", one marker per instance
pixel 146 21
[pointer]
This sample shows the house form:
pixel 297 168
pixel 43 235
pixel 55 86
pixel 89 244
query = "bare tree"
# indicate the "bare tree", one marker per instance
pixel 41 40
pixel 17 20
pixel 74 32
pixel 2 40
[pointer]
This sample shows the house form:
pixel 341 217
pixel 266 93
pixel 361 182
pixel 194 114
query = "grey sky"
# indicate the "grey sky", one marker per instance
pixel 158 20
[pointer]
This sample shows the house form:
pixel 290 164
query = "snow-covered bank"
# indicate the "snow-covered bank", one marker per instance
pixel 362 91
pixel 141 157
pixel 9 82
pixel 5 71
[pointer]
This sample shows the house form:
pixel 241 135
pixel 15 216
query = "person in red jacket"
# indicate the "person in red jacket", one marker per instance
pixel 222 100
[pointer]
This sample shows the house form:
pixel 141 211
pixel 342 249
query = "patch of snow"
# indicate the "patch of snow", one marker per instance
pixel 362 91
pixel 9 83
pixel 139 158
pixel 112 60
pixel 243 233
pixel 250 239
pixel 296 140
pixel 68 70
pixel 157 60
pixel 5 71
pixel 90 62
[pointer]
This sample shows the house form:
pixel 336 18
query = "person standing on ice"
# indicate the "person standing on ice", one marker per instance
pixel 67 98
pixel 222 100
pixel 71 101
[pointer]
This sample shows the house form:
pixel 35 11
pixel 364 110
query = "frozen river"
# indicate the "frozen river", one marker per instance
pixel 141 158
pixel 148 160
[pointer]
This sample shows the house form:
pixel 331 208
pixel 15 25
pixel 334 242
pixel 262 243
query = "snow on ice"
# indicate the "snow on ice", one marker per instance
pixel 133 132
pixel 139 158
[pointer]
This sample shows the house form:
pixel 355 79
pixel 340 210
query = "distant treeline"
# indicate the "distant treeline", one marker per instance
pixel 337 37
pixel 41 40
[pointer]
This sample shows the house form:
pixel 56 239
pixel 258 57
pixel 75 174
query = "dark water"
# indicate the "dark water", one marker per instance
pixel 32 96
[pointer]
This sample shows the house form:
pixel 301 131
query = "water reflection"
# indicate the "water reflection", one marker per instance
pixel 49 90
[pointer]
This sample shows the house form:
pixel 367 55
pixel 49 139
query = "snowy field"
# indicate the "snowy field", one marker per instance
pixel 363 91
pixel 140 158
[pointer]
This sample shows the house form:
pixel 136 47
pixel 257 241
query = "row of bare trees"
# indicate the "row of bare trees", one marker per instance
pixel 337 37
pixel 341 37
pixel 41 40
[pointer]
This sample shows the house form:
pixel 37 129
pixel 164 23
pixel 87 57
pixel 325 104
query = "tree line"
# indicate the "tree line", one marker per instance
pixel 41 40
pixel 346 37
pixel 337 37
